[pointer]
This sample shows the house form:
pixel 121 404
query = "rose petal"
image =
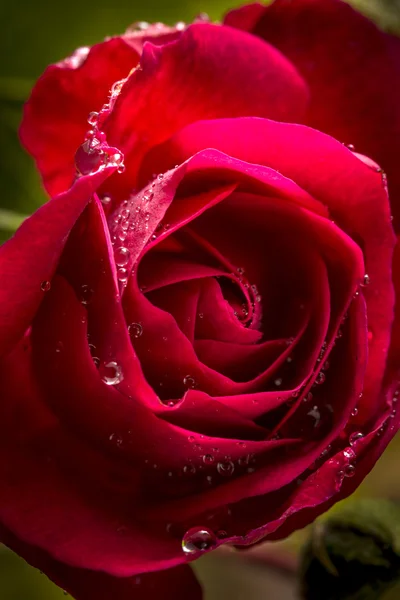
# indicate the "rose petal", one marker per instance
pixel 30 257
pixel 351 68
pixel 84 585
pixel 353 193
pixel 55 116
pixel 209 72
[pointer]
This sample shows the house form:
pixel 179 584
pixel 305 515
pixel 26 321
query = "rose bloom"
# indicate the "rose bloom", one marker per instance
pixel 197 333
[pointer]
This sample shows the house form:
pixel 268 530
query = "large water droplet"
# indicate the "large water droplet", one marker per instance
pixel 89 157
pixel 122 256
pixel 198 540
pixel 111 373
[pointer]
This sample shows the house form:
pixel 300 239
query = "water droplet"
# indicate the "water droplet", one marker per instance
pixel 208 459
pixel 93 118
pixel 278 381
pixel 189 382
pixel 106 200
pixel 122 275
pixel 349 453
pixel 189 470
pixel 349 471
pixel 111 373
pixel 117 87
pixel 366 280
pixel 225 469
pixel 45 286
pixel 121 256
pixel 89 157
pixel 354 437
pixel 135 330
pixel 354 412
pixel 198 540
pixel 86 294
pixel 115 439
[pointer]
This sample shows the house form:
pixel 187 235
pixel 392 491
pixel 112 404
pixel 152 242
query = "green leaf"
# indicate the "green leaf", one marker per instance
pixel 354 553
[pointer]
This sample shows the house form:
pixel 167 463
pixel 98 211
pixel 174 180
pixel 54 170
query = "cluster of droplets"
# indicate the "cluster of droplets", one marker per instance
pixel 251 289
pixel 95 154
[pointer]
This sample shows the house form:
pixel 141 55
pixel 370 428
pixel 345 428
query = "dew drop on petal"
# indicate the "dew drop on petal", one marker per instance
pixel 122 275
pixel 135 330
pixel 366 280
pixel 354 437
pixel 349 471
pixel 93 118
pixel 189 382
pixel 349 454
pixel 226 469
pixel 208 459
pixel 121 256
pixel 89 157
pixel 198 540
pixel 278 381
pixel 189 470
pixel 45 286
pixel 111 373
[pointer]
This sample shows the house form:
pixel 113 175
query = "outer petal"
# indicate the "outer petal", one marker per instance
pixel 31 256
pixel 86 585
pixel 209 72
pixel 352 70
pixel 55 116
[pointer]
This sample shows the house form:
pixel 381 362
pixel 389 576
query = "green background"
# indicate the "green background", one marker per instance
pixel 34 33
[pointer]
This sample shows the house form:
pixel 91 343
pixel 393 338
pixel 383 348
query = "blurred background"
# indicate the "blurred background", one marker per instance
pixel 34 33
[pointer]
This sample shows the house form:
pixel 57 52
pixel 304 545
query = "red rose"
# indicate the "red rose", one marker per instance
pixel 195 351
